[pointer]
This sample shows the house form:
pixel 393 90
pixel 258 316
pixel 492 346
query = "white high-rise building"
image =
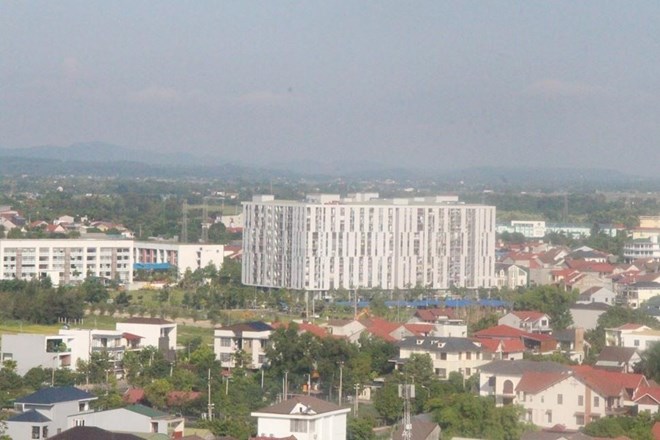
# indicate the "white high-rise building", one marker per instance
pixel 328 242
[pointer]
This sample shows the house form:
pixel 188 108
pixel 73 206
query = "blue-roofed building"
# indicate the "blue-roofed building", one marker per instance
pixel 44 413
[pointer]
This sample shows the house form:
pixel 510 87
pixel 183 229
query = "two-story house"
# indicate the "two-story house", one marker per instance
pixel 156 332
pixel 305 417
pixel 460 355
pixel 529 321
pixel 44 413
pixel 251 338
pixel 637 336
pixel 133 418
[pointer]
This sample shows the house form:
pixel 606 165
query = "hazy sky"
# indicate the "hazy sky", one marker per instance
pixel 424 83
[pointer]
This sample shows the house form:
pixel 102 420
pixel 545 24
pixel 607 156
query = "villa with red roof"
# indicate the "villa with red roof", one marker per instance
pixel 534 342
pixel 647 399
pixel 637 336
pixel 553 394
pixel 529 321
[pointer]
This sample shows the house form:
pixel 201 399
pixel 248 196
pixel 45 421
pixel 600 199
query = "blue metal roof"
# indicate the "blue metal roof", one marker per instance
pixel 48 396
pixel 30 416
pixel 152 266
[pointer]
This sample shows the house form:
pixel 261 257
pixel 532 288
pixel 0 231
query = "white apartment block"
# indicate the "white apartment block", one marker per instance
pixel 252 338
pixel 182 256
pixel 328 242
pixel 66 261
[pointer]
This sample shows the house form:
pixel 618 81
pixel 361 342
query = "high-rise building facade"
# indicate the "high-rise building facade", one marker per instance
pixel 328 242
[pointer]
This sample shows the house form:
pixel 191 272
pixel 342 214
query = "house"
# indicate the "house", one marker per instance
pixel 510 276
pixel 636 294
pixel 597 294
pixel 551 394
pixel 350 329
pixel 91 432
pixel 432 316
pixel 647 399
pixel 45 412
pixel 502 349
pixel 586 315
pixel 572 343
pixel 305 417
pixel 621 359
pixel 533 342
pixel 420 430
pixel 500 378
pixel 529 321
pixel 631 335
pixel 251 338
pixel 155 332
pixel 449 355
pixel 133 418
pixel 34 350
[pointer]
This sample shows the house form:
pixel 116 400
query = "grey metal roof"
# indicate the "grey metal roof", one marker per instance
pixel 48 396
pixel 440 345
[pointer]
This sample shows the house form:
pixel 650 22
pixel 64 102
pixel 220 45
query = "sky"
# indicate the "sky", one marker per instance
pixel 427 84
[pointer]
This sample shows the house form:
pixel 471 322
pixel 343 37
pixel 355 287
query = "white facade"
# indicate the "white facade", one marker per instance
pixel 46 351
pixel 66 261
pixel 304 417
pixel 182 256
pixel 155 332
pixel 449 355
pixel 251 338
pixel 529 228
pixel 65 349
pixel 640 338
pixel 134 419
pixel 329 243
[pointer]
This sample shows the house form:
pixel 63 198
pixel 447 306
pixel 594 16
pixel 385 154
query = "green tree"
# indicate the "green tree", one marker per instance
pixel 552 300
pixel 360 429
pixel 388 404
pixel 156 392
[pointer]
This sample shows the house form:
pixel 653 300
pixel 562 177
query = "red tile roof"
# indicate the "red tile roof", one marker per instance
pixel 432 315
pixel 534 382
pixel 649 392
pixel 419 329
pixel 529 315
pixel 609 383
pixel 180 397
pixel 381 328
pixel 500 331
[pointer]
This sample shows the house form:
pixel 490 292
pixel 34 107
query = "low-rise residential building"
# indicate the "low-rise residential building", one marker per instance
pixel 181 256
pixel 155 332
pixel 500 378
pixel 305 417
pixel 250 338
pixel 65 349
pixel 449 355
pixel 133 418
pixel 529 321
pixel 620 359
pixel 66 261
pixel 44 413
pixel 635 336
pixel 510 276
pixel 597 294
pixel 636 294
pixel 537 343
pixel 349 329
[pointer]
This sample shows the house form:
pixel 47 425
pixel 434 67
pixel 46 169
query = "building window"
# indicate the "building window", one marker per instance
pixel 636 342
pixel 154 426
pixel 44 432
pixel 79 422
pixel 225 357
pixel 579 419
pixel 82 406
pixel 560 399
pixel 549 416
pixel 468 356
pixel 225 342
pixel 443 356
pixel 596 401
pixel 35 432
pixel 298 425
pixel 580 400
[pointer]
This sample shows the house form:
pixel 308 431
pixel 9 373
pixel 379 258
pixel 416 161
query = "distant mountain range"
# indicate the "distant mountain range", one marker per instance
pixel 102 159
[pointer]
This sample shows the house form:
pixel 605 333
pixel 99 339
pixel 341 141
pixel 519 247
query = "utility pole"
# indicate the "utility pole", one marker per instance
pixel 210 405
pixel 355 409
pixel 341 377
